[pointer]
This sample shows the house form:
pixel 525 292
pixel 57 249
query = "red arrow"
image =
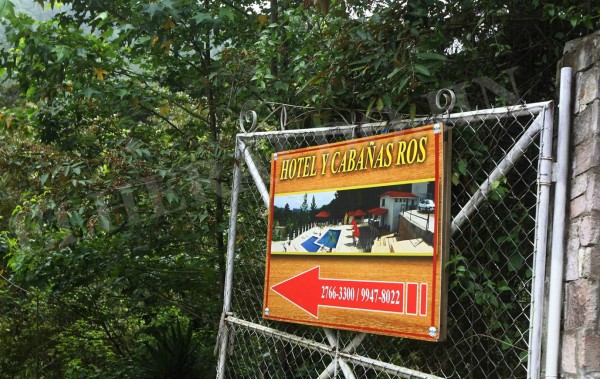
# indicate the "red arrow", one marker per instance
pixel 308 291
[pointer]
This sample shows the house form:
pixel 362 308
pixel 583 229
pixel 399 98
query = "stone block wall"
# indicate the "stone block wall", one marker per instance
pixel 580 350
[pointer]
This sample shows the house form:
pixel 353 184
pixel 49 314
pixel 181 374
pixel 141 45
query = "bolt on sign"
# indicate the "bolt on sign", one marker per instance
pixel 358 234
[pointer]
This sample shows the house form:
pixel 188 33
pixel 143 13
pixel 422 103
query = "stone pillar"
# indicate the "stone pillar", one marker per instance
pixel 580 351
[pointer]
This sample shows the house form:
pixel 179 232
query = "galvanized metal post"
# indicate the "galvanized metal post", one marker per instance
pixel 541 243
pixel 558 227
pixel 260 185
pixel 223 336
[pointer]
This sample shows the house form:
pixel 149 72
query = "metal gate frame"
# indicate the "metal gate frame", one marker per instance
pixel 541 127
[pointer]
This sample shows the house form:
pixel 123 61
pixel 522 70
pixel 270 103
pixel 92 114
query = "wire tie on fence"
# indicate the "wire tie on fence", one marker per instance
pixel 358 132
pixel 386 128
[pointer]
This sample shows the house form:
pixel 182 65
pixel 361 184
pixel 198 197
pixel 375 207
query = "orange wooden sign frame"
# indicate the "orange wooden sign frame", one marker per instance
pixel 377 270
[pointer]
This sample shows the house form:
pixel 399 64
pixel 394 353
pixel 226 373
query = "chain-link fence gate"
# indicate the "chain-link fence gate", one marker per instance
pixel 501 173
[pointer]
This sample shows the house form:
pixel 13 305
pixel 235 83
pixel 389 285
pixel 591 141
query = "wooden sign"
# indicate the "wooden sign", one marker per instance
pixel 358 234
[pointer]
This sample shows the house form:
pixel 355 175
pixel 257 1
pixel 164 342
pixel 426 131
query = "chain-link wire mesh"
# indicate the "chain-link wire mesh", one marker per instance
pixel 490 266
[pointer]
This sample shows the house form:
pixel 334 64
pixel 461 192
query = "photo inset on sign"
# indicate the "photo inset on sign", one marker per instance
pixel 393 220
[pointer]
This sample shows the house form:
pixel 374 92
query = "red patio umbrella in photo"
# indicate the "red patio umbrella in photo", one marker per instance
pixel 355 230
pixel 323 214
pixel 358 213
pixel 378 211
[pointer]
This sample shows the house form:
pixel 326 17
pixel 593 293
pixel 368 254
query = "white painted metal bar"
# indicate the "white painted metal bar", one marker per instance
pixel 350 348
pixel 346 370
pixel 540 247
pixel 223 334
pixel 356 341
pixel 558 227
pixel 330 371
pixel 335 130
pixel 388 368
pixel 270 332
pixel 260 185
pixel 515 111
pixel 482 115
pixel 331 337
pixel 514 154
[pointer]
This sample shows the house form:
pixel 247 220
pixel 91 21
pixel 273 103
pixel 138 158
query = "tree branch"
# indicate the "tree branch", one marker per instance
pixel 164 119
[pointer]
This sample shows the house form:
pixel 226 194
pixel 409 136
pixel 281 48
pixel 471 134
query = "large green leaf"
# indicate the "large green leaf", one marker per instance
pixel 7 9
pixel 104 222
pixel 422 69
pixel 431 56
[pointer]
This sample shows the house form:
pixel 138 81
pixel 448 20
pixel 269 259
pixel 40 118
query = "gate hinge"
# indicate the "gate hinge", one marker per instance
pixel 554 171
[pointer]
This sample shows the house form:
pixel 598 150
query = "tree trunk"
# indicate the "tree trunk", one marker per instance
pixel 274 20
pixel 216 177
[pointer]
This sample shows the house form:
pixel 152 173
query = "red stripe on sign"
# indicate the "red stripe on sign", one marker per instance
pixel 270 236
pixel 411 298
pixel 423 311
pixel 401 298
pixel 436 230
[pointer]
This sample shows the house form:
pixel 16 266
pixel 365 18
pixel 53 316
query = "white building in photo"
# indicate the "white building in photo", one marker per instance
pixel 396 202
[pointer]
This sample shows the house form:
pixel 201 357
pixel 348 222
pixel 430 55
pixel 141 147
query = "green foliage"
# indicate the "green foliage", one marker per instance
pixel 173 353
pixel 7 8
pixel 116 133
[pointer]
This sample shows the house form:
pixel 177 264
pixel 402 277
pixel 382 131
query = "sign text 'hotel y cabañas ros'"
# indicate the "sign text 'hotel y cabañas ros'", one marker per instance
pixel 358 234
